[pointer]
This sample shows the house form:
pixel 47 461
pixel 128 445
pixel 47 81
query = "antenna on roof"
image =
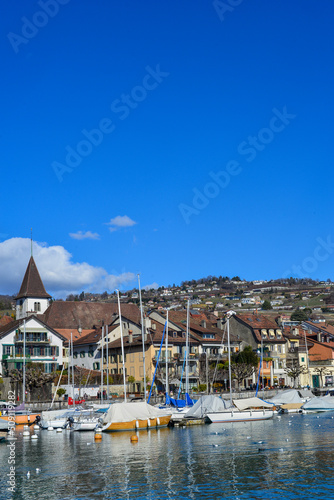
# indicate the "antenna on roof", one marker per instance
pixel 31 240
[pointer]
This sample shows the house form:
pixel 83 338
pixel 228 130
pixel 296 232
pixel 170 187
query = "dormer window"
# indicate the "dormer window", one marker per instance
pixel 264 333
pixel 271 334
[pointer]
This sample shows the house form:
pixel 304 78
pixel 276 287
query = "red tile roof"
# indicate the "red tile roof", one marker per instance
pixel 87 315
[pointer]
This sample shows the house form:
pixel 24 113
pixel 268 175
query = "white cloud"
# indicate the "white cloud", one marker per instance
pixel 154 285
pixel 88 235
pixel 59 273
pixel 119 222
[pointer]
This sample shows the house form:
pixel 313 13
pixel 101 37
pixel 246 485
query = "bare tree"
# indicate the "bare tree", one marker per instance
pixel 294 370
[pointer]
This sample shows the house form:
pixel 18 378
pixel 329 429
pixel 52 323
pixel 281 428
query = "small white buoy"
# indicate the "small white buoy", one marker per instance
pixel 287 439
pixel 36 427
pixel 25 427
pixel 34 436
pixel 215 445
pixel 26 433
pixel 59 429
pixel 260 442
pixel 38 470
pixel 248 437
pixel 28 474
pixel 318 417
pixel 281 449
pixel 50 428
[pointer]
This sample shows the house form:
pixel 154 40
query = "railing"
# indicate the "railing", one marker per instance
pixel 46 340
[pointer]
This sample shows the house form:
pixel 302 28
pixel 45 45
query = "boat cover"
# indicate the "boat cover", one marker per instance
pixel 286 397
pixel 207 404
pixel 126 412
pixel 246 403
pixel 324 403
pixel 3 424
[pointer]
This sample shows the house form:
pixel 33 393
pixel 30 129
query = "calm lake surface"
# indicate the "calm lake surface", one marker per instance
pixel 287 457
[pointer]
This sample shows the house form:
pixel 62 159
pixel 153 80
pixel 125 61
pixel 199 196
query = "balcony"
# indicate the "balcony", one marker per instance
pixel 18 339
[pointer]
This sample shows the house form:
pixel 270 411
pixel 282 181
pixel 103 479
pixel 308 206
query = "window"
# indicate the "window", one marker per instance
pixel 90 354
pixel 75 355
pixel 96 366
pixel 82 354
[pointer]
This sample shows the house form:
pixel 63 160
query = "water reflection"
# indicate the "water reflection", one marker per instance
pixel 290 457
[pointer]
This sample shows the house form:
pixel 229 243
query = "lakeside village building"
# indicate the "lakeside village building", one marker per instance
pixel 94 326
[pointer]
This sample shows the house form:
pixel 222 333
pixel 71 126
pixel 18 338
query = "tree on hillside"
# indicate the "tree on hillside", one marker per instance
pixel 299 315
pixel 266 305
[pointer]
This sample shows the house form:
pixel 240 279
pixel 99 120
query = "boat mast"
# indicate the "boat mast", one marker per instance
pixel 102 336
pixel 142 336
pixel 107 340
pixel 187 342
pixel 307 362
pixel 24 362
pixel 122 345
pixel 229 357
pixel 72 359
pixel 167 388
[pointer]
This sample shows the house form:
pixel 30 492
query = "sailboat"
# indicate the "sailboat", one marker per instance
pixel 179 407
pixel 240 410
pixel 132 415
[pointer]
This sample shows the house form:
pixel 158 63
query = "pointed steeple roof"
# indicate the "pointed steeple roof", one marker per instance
pixel 32 285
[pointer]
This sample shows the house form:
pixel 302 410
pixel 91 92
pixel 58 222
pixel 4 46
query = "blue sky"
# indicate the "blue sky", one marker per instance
pixel 172 139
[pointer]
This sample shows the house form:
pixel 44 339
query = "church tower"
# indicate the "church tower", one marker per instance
pixel 32 297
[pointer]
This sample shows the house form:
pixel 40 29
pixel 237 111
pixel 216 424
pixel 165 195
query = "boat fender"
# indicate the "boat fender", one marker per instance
pixel 158 421
pixel 148 423
pixel 137 424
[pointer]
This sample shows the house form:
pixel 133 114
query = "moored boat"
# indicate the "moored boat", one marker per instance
pixel 18 414
pixel 318 405
pixel 243 410
pixel 132 416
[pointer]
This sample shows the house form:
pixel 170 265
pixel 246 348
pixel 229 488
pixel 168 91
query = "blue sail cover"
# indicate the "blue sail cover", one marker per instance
pixel 179 403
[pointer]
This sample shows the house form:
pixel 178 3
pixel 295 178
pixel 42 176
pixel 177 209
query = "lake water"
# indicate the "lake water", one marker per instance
pixel 287 457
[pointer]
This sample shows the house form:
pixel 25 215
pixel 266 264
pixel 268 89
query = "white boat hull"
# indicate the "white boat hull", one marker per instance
pixel 59 423
pixel 239 416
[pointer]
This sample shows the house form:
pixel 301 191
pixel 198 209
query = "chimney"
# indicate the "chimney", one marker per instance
pixel 220 323
pixel 130 337
pixel 319 339
pixel 203 323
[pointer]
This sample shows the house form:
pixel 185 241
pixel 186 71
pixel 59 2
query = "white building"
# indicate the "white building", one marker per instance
pixel 42 343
